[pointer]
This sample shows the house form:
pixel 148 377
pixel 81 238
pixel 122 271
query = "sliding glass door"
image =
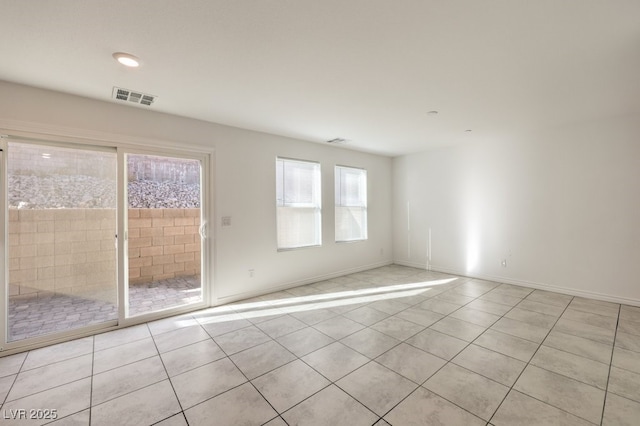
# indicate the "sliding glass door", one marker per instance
pixel 164 232
pixel 61 235
pixel 96 237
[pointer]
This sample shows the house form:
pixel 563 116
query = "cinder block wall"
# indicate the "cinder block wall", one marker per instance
pixel 69 251
pixel 163 243
pixel 72 251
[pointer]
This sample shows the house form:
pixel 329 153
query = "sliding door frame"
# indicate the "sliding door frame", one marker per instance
pixel 123 229
pixel 4 216
pixel 121 145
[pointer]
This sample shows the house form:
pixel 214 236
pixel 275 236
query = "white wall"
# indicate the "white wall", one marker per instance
pixel 562 206
pixel 244 185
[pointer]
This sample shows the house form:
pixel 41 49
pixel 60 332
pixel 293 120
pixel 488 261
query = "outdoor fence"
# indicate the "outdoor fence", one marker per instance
pixel 72 251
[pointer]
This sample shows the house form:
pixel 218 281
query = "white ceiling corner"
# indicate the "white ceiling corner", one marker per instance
pixel 366 70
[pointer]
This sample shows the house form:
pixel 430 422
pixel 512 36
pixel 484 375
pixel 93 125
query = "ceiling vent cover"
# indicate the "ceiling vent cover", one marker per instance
pixel 132 96
pixel 338 141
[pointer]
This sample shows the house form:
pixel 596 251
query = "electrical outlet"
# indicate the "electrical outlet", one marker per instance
pixel 251 273
pixel 226 221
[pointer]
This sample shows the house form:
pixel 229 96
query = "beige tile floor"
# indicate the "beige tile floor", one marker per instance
pixel 393 345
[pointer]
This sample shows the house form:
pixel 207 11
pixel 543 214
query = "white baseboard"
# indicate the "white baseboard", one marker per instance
pixel 411 264
pixel 297 283
pixel 499 279
pixel 539 286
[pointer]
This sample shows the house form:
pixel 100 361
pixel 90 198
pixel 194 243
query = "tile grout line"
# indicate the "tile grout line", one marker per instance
pixel 385 351
pixel 471 342
pixel 146 324
pixel 511 388
pixel 613 350
pixel 369 326
pixel 242 372
pixel 370 360
pixel 166 372
pixel 419 385
pixel 332 382
pixel 278 414
pixel 450 361
pixel 529 362
pixel 15 379
pixel 129 363
pixel 410 306
pixel 93 362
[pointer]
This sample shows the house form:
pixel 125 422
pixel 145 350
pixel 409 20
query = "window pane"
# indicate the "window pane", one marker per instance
pixel 298 227
pixel 164 241
pixel 298 183
pixel 351 223
pixel 62 235
pixel 351 203
pixel 298 201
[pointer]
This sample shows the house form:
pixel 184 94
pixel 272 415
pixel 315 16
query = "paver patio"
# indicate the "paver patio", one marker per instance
pixel 40 315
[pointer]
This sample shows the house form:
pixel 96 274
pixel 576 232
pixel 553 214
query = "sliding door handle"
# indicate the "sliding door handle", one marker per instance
pixel 203 230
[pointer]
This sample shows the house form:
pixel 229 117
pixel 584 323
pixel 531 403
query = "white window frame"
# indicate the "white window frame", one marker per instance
pixel 345 206
pixel 288 208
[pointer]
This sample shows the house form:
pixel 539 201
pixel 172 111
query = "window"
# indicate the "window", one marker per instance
pixel 351 204
pixel 298 203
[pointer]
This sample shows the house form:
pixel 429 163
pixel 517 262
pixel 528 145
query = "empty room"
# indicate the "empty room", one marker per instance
pixel 243 212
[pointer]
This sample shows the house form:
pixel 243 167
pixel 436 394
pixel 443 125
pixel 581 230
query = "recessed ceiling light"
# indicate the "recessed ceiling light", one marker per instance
pixel 432 113
pixel 127 59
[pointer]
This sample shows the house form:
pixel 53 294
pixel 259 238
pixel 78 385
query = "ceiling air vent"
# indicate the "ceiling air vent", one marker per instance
pixel 132 96
pixel 337 141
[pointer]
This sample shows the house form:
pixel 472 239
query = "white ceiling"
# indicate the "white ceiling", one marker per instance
pixel 364 70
